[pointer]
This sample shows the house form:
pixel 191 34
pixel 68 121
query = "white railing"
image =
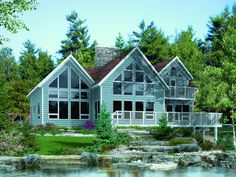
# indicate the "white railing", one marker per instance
pixel 175 119
pixel 181 92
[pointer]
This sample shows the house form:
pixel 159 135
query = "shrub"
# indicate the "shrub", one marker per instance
pixel 163 132
pixel 104 129
pixel 163 122
pixel 177 141
pixel 207 145
pixel 185 132
pixel 50 126
pixel 88 125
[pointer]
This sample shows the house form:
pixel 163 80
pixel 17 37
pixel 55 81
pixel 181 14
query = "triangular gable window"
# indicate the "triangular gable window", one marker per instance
pixel 53 84
pixel 119 78
pixel 84 85
pixel 130 67
pixel 137 68
pixel 63 79
pixel 148 80
pixel 74 80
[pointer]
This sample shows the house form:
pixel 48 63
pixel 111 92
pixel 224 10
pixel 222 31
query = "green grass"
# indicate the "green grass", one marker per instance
pixel 54 145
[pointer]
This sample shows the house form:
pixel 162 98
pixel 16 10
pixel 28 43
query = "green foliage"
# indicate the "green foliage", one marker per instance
pixel 9 15
pixel 152 42
pixel 104 129
pixel 207 145
pixel 163 121
pixel 16 139
pixel 184 132
pixel 163 132
pixel 78 41
pixel 178 141
pixel 103 145
pixel 56 145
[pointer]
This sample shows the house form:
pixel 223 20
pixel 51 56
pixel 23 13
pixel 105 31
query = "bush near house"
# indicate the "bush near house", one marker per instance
pixel 16 139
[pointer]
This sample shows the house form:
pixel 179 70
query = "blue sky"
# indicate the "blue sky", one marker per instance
pixel 106 18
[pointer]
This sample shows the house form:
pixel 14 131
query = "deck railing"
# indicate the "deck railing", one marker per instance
pixel 175 119
pixel 181 92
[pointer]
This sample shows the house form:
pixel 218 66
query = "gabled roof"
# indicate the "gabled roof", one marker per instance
pixel 99 73
pixel 160 67
pixel 70 57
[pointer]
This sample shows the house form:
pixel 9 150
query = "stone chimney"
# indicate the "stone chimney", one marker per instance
pixel 104 54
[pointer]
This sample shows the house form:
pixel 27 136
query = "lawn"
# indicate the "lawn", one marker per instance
pixel 54 145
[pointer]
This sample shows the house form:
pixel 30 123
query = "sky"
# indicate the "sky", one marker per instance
pixel 106 18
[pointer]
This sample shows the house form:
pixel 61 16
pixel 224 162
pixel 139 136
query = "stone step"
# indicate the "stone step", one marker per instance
pixel 154 148
pixel 150 143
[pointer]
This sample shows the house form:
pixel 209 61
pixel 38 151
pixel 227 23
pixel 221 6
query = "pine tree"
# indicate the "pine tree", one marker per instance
pixel 186 48
pixel 78 41
pixel 152 42
pixel 104 129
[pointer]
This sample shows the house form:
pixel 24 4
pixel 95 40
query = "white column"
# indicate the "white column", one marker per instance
pixel 215 135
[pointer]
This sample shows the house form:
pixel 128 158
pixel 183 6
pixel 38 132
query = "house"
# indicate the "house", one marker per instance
pixel 134 91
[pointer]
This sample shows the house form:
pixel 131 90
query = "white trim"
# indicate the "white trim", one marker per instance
pixel 177 58
pixel 117 66
pixel 101 102
pixel 127 56
pixel 58 68
pixel 42 117
pixel 155 71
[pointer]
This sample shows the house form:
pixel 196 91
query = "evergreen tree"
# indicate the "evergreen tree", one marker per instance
pixel 122 44
pixel 78 41
pixel 186 48
pixel 218 26
pixel 104 129
pixel 152 42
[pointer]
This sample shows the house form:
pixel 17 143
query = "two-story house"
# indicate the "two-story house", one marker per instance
pixel 134 91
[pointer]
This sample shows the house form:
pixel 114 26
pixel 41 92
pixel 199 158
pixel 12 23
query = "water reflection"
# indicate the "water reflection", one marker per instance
pixel 75 171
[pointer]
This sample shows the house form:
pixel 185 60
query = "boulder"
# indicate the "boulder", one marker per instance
pixel 189 148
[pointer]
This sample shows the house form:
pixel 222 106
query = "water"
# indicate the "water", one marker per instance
pixel 75 171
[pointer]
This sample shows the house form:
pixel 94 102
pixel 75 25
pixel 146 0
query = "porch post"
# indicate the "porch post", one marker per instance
pixel 215 135
pixel 143 117
pixel 203 134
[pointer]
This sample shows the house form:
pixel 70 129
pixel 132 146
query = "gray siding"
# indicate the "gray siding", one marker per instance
pixel 107 88
pixel 66 122
pixel 36 98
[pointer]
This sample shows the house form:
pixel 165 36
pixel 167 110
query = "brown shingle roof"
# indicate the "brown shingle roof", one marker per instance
pixel 161 65
pixel 99 73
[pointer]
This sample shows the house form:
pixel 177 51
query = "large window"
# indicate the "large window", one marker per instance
pixel 97 109
pixel 128 106
pixel 68 100
pixel 63 109
pixel 53 109
pixel 139 89
pixel 38 105
pixel 133 81
pixel 128 88
pixel 63 79
pixel 74 80
pixel 84 110
pixel 75 109
pixel 117 106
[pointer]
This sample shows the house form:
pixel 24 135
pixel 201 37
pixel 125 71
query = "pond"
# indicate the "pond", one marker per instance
pixel 75 171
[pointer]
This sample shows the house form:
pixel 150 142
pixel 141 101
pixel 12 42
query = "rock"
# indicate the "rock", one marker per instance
pixel 187 160
pixel 188 148
pixel 90 159
pixel 163 166
pixel 32 161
